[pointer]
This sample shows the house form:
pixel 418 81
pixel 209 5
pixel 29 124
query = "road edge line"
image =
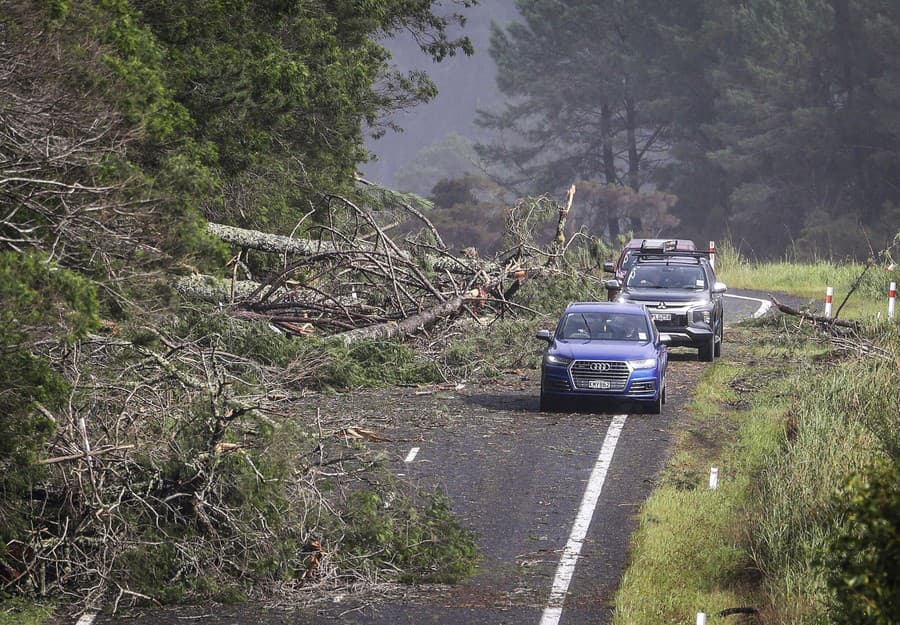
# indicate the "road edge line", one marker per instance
pixel 566 568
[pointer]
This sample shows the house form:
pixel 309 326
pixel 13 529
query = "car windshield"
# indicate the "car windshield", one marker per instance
pixel 628 259
pixel 596 326
pixel 647 276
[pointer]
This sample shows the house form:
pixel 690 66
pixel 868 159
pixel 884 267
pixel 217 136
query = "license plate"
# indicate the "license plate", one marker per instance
pixel 598 384
pixel 661 316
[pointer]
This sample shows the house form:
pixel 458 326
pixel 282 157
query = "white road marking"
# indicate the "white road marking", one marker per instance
pixel 764 305
pixel 412 454
pixel 86 619
pixel 566 568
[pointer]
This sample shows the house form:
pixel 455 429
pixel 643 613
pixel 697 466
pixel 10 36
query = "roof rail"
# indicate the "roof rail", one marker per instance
pixel 698 254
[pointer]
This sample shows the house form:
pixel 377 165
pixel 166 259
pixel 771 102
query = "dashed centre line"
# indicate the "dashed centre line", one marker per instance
pixel 86 619
pixel 566 568
pixel 412 454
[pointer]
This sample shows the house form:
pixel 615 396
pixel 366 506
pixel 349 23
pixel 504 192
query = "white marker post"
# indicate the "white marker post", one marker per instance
pixel 892 298
pixel 713 478
pixel 829 295
pixel 712 254
pixel 701 618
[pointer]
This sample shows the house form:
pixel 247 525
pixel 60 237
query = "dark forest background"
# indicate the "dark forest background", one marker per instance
pixel 772 124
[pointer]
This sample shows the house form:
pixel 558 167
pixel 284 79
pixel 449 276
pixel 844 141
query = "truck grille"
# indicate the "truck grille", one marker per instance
pixel 600 375
pixel 677 321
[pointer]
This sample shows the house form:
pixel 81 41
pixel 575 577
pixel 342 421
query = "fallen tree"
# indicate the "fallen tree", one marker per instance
pixel 357 282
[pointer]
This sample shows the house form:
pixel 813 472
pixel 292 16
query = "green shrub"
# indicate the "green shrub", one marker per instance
pixel 550 296
pixel 41 304
pixel 370 363
pixel 862 563
pixel 389 533
pixel 252 339
pixel 487 352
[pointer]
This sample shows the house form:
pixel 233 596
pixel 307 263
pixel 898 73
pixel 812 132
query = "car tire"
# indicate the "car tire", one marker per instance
pixel 717 352
pixel 664 395
pixel 707 350
pixel 656 407
pixel 547 404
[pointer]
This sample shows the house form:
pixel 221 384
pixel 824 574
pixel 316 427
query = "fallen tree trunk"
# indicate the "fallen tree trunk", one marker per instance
pixel 265 242
pixel 406 327
pixel 215 290
pixel 816 318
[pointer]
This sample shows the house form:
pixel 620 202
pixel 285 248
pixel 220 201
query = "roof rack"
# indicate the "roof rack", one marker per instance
pixel 695 255
pixel 662 245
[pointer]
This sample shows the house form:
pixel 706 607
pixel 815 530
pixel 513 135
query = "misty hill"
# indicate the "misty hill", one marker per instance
pixel 465 84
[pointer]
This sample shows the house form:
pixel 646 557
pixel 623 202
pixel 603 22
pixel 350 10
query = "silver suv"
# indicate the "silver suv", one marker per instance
pixel 683 297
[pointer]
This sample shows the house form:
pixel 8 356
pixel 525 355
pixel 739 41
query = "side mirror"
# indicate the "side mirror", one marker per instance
pixel 544 335
pixel 613 284
pixel 609 267
pixel 665 339
pixel 719 287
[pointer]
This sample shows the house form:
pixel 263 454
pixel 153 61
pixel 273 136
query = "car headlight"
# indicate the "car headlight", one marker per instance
pixel 558 361
pixel 646 363
pixel 701 315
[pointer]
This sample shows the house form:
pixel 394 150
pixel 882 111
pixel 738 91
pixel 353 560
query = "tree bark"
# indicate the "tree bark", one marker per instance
pixel 406 327
pixel 559 241
pixel 818 319
pixel 266 242
pixel 609 165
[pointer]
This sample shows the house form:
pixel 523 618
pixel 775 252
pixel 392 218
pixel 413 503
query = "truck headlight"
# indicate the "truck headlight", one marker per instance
pixel 702 316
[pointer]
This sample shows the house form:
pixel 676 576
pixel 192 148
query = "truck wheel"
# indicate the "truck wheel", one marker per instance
pixel 707 350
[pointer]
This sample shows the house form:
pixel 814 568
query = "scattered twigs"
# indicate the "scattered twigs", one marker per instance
pixel 861 347
pixel 843 335
pixel 395 198
pixel 174 431
pixel 81 456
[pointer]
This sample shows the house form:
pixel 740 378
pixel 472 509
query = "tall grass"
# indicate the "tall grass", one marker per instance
pixel 809 280
pixel 806 421
pixel 844 419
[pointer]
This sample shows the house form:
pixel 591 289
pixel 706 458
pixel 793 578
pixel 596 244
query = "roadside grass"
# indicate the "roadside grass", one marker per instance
pixel 17 611
pixel 688 554
pixel 809 280
pixel 788 421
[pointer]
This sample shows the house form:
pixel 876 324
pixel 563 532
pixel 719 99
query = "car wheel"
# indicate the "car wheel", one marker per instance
pixel 656 406
pixel 546 404
pixel 718 350
pixel 707 350
pixel 664 396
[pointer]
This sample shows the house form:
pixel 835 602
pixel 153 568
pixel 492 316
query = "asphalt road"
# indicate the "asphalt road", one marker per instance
pixel 552 497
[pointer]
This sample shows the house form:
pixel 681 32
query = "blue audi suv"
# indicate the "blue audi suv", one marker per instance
pixel 604 351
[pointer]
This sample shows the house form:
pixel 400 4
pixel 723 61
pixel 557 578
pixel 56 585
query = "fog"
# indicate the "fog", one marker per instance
pixel 465 84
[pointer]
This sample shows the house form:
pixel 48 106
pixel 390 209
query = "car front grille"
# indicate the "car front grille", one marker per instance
pixel 615 373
